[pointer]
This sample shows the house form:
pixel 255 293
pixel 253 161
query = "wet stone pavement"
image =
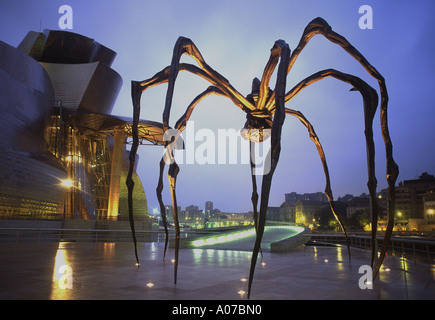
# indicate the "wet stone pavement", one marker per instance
pixel 107 271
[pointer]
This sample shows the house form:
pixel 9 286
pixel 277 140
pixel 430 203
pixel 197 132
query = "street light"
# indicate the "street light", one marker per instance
pixel 68 183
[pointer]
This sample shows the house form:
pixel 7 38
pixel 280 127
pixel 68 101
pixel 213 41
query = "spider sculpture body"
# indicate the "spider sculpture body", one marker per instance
pixel 265 112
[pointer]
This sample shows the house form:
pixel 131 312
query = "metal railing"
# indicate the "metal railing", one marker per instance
pixel 85 235
pixel 417 248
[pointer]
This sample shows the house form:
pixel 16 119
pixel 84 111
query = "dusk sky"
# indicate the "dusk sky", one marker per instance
pixel 235 38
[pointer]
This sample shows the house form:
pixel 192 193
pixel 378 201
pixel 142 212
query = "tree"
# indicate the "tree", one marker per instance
pixel 326 219
pixel 359 219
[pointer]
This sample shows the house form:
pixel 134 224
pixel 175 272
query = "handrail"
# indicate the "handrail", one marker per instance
pixel 417 248
pixel 14 234
pixel 394 238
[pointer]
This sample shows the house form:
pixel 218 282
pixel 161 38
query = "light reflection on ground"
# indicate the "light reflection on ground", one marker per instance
pixel 107 271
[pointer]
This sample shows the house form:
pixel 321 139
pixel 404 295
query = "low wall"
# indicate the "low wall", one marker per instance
pixel 74 230
pixel 23 223
pixel 122 225
pixel 292 242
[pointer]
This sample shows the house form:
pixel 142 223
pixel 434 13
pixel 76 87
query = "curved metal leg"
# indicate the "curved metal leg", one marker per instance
pixel 370 99
pixel 273 153
pixel 328 191
pixel 162 206
pixel 254 196
pixel 172 175
pixel 132 158
pixel 320 26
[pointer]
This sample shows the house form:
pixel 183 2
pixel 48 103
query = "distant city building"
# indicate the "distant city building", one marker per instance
pixel 192 208
pixel 357 205
pixel 170 212
pixel 412 203
pixel 429 210
pixel 62 154
pixel 274 214
pixel 208 207
pixel 306 210
pixel 192 213
pixel 409 197
pixel 288 212
pixel 293 197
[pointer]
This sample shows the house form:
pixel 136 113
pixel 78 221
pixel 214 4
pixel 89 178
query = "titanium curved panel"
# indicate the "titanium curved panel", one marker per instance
pixel 70 81
pixel 29 186
pixel 102 92
pixel 26 97
pixel 29 179
pixel 71 48
pixel 89 87
pixel 33 44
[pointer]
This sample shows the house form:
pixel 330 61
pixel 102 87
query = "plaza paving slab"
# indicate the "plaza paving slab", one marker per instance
pixel 107 271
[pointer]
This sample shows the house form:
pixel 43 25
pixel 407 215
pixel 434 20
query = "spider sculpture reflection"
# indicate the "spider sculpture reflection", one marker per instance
pixel 265 112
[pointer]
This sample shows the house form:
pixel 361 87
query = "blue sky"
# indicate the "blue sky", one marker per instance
pixel 235 38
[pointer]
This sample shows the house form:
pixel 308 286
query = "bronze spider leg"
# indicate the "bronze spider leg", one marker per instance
pixel 370 99
pixel 328 191
pixel 320 26
pixel 132 158
pixel 137 89
pixel 275 149
pixel 167 158
pixel 181 123
pixel 182 46
pixel 185 45
pixel 159 190
pixel 370 104
pixel 254 196
pixel 263 95
pixel 172 174
pixel 160 78
pixel 174 169
pixel 163 76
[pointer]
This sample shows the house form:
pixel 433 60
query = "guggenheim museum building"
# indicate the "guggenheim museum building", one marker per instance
pixel 63 154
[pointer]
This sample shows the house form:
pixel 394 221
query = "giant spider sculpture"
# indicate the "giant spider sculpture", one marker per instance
pixel 265 112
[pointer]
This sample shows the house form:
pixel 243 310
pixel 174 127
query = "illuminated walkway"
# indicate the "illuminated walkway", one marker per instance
pixel 107 271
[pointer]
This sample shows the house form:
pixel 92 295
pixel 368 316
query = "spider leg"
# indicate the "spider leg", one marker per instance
pixel 267 73
pixel 186 46
pixel 181 123
pixel 254 196
pixel 328 191
pixel 317 26
pixel 174 168
pixel 273 153
pixel 162 206
pixel 132 159
pixel 168 75
pixel 172 175
pixel 370 99
pixel 138 87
